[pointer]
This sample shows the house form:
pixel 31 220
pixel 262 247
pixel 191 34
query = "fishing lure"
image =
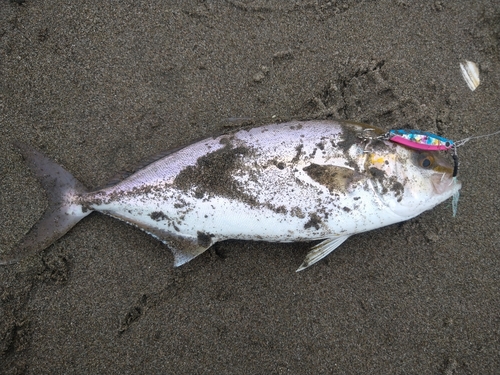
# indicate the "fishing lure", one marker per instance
pixel 420 140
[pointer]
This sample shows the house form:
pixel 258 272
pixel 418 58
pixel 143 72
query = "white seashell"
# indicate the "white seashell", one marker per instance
pixel 470 72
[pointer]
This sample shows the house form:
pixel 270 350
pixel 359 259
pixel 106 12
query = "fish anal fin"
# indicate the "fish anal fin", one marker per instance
pixel 183 247
pixel 321 250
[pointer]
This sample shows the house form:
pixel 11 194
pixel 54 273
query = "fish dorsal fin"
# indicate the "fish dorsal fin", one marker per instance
pixel 184 248
pixel 321 250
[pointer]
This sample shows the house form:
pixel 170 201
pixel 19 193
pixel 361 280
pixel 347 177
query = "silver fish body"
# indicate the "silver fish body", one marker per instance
pixel 296 181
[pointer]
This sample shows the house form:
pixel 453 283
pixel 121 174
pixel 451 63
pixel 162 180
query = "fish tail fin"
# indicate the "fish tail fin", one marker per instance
pixel 62 213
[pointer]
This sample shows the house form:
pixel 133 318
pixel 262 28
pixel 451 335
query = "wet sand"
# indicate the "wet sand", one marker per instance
pixel 101 87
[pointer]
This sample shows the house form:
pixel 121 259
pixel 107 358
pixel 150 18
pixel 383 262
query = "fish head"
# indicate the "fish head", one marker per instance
pixel 410 181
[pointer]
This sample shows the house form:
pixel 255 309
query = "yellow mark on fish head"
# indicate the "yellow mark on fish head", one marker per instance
pixel 384 161
pixel 378 160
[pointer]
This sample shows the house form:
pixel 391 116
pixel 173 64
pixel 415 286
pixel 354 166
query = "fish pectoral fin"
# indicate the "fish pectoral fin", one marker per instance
pixel 321 250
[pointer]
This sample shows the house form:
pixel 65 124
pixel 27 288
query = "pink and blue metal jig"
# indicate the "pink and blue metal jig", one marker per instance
pixel 420 140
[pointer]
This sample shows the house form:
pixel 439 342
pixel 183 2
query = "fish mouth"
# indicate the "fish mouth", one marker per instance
pixel 443 183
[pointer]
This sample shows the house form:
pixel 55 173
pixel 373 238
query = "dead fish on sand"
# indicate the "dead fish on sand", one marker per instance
pixel 296 181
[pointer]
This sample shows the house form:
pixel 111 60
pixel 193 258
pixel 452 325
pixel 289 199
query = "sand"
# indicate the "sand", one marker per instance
pixel 100 86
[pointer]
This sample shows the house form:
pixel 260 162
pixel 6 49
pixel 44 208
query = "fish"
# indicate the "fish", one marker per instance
pixel 284 182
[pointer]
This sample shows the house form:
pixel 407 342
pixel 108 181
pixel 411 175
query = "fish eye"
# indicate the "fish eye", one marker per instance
pixel 426 161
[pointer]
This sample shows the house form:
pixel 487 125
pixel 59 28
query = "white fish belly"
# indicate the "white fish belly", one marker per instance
pixel 223 218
